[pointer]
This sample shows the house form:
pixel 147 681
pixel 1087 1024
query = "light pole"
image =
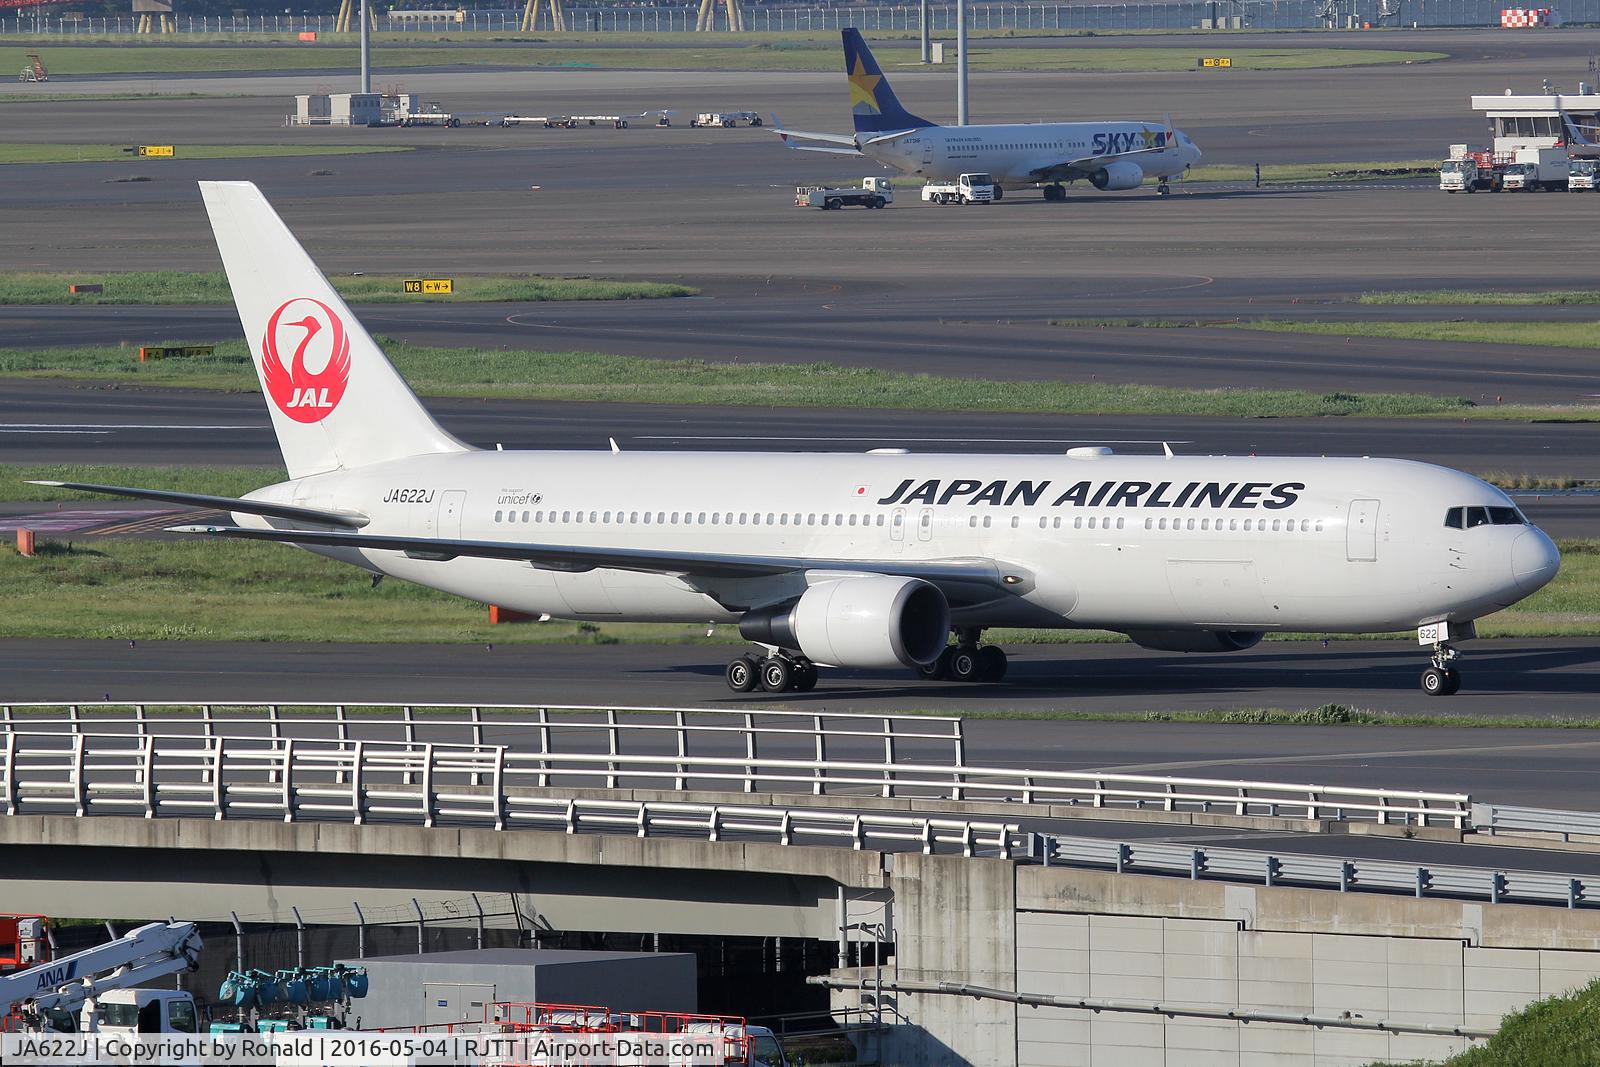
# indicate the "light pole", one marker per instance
pixel 366 50
pixel 961 62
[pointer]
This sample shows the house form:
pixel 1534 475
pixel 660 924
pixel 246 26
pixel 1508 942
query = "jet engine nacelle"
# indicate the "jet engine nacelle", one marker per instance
pixel 1118 175
pixel 1196 640
pixel 871 621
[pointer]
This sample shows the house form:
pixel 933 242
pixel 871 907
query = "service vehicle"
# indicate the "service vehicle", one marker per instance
pixel 92 990
pixel 1583 174
pixel 967 189
pixel 872 192
pixel 24 941
pixel 1469 170
pixel 431 114
pixel 726 119
pixel 1536 170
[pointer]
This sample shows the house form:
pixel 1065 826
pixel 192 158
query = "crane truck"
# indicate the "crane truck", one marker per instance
pixel 92 991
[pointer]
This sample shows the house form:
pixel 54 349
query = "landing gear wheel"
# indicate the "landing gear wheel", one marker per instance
pixel 741 675
pixel 965 665
pixel 805 677
pixel 992 663
pixel 777 674
pixel 939 669
pixel 1163 189
pixel 1436 683
pixel 1453 681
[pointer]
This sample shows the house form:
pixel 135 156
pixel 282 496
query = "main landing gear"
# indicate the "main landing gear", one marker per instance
pixel 965 661
pixel 1054 193
pixel 1442 679
pixel 778 672
pixel 1163 188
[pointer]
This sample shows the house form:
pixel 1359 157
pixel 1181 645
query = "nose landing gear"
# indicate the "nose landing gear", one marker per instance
pixel 1163 188
pixel 778 672
pixel 1442 679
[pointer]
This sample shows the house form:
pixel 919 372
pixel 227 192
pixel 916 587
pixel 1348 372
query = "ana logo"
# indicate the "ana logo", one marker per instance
pixel 310 386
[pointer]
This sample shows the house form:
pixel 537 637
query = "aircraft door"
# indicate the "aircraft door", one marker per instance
pixel 1361 532
pixel 451 503
pixel 925 525
pixel 927 149
pixel 897 528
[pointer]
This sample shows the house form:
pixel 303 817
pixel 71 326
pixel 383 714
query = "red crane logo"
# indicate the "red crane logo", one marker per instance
pixel 301 393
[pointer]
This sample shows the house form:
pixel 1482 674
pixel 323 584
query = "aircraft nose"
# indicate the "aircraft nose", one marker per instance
pixel 1534 560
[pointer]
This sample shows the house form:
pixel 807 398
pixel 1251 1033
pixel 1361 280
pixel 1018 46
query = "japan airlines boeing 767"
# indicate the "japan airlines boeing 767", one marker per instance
pixel 1108 155
pixel 862 561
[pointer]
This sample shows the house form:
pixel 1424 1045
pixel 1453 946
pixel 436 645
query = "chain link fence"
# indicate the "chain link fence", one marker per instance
pixel 760 18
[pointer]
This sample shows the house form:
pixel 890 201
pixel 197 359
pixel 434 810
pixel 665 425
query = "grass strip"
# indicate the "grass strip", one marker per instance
pixel 601 377
pixel 202 589
pixel 211 287
pixel 1559 1031
pixel 114 153
pixel 1550 334
pixel 1278 173
pixel 1472 296
pixel 778 53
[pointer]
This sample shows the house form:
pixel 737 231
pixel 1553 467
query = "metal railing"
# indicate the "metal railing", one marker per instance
pixel 573 730
pixel 1318 872
pixel 429 784
pixel 1506 818
pixel 608 766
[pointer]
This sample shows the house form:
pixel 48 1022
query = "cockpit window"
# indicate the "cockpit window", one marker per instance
pixel 1465 518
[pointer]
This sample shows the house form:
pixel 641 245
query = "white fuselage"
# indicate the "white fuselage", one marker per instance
pixel 1115 542
pixel 1015 152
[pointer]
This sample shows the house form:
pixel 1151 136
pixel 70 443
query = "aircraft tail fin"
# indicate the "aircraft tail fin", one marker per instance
pixel 334 398
pixel 872 102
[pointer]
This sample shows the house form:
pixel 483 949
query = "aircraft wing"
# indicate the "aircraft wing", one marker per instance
pixel 1086 165
pixel 789 136
pixel 221 503
pixel 958 573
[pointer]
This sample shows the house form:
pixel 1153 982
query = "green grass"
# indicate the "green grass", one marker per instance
pixel 213 481
pixel 1276 173
pixel 211 287
pixel 1556 1032
pixel 774 53
pixel 625 379
pixel 1553 334
pixel 113 153
pixel 1471 296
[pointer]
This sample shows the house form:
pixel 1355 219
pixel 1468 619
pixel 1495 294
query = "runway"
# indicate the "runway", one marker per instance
pixel 1533 766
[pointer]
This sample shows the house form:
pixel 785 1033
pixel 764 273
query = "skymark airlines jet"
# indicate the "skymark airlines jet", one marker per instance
pixel 862 561
pixel 1108 155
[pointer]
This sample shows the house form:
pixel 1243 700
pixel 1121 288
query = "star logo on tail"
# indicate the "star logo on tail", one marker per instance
pixel 864 87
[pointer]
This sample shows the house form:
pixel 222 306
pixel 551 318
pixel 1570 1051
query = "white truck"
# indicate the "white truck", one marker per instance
pixel 1535 169
pixel 93 990
pixel 1583 174
pixel 1468 170
pixel 967 189
pixel 873 192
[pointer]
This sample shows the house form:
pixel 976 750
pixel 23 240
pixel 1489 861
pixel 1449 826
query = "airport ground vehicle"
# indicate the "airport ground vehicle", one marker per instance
pixel 1536 170
pixel 1469 170
pixel 93 989
pixel 24 942
pixel 872 192
pixel 726 119
pixel 1583 175
pixel 967 189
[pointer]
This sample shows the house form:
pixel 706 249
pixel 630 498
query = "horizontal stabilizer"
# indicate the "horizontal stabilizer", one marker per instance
pixel 219 503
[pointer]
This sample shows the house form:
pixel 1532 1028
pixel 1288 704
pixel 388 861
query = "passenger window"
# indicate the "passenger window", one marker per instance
pixel 1119 524
pixel 1477 517
pixel 1091 522
pixel 1205 524
pixel 511 516
pixel 674 518
pixel 497 516
pixel 1077 522
pixel 1319 526
pixel 1149 524
pixel 1043 522
pixel 1015 522
pixel 1162 524
pixel 702 519
pixel 1233 524
pixel 986 522
pixel 1247 526
pixel 742 517
pixel 824 519
pixel 1191 524
pixel 974 521
pixel 714 517
pixel 852 520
